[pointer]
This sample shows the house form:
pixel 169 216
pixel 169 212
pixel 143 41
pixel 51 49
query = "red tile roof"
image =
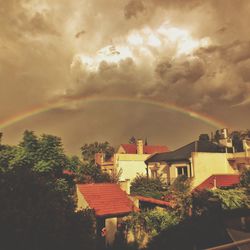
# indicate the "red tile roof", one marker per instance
pixel 147 149
pixel 106 199
pixel 221 180
pixel 155 201
pixel 68 172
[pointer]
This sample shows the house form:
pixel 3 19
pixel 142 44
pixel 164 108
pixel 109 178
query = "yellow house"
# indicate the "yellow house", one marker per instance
pixel 130 158
pixel 198 160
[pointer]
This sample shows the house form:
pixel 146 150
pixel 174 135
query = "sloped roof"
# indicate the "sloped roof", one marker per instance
pixel 106 199
pixel 184 153
pixel 154 201
pixel 221 180
pixel 147 149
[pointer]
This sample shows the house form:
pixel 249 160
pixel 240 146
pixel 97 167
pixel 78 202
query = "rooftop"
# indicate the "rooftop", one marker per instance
pixel 184 153
pixel 219 180
pixel 106 199
pixel 147 149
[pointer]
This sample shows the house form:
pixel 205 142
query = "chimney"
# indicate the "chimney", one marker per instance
pixel 224 133
pixel 139 146
pixel 246 145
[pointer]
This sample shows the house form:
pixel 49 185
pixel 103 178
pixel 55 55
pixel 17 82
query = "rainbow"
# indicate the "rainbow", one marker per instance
pixel 36 110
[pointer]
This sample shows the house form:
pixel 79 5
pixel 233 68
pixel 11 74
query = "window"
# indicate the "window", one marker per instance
pixel 182 171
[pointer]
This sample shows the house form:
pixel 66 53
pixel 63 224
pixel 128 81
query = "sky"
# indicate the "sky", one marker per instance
pixel 98 70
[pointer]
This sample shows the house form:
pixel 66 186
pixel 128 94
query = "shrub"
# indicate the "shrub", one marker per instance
pixel 149 187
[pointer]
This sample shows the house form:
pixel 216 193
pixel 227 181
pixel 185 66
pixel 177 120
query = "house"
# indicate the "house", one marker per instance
pixel 130 158
pixel 106 165
pixel 109 203
pixel 199 160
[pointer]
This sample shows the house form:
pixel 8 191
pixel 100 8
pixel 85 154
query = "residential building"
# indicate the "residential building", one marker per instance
pixel 106 165
pixel 130 158
pixel 109 203
pixel 202 160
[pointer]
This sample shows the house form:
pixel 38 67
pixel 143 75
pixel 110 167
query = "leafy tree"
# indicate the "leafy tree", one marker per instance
pixel 182 184
pixel 204 137
pixel 132 140
pixel 245 178
pixel 217 136
pixel 37 212
pixel 236 137
pixel 232 198
pixel 180 195
pixel 192 233
pixel 150 187
pixel 149 223
pixel 37 204
pixel 89 150
pixel 90 173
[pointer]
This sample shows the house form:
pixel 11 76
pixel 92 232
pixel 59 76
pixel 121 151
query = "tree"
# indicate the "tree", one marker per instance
pixel 37 206
pixel 236 137
pixel 132 140
pixel 245 178
pixel 204 137
pixel 149 223
pixel 232 198
pixel 150 187
pixel 91 173
pixel 89 150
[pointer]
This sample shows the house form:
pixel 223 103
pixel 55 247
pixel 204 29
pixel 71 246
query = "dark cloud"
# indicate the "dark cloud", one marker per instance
pixel 133 8
pixel 193 53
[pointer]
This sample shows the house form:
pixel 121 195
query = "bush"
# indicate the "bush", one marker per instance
pixel 232 198
pixel 149 187
pixel 245 178
pixel 149 223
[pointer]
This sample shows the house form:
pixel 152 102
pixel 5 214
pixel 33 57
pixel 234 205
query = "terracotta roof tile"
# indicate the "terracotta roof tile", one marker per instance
pixel 154 201
pixel 106 199
pixel 221 180
pixel 147 149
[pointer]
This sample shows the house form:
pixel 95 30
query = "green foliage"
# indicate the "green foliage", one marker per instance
pixel 149 223
pixel 204 137
pixel 192 233
pixel 43 154
pixel 149 187
pixel 132 140
pixel 245 178
pixel 237 138
pixel 182 184
pixel 38 213
pixel 90 173
pixel 232 198
pixel 37 203
pixel 89 151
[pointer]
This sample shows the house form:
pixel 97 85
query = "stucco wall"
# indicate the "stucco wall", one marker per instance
pixel 131 164
pixel 81 202
pixel 173 169
pixel 111 228
pixel 207 164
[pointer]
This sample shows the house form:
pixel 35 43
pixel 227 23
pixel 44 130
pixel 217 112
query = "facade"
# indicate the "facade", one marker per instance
pixel 198 160
pixel 130 158
pixel 106 166
pixel 109 203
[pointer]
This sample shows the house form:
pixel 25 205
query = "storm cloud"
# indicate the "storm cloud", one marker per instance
pixel 193 53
